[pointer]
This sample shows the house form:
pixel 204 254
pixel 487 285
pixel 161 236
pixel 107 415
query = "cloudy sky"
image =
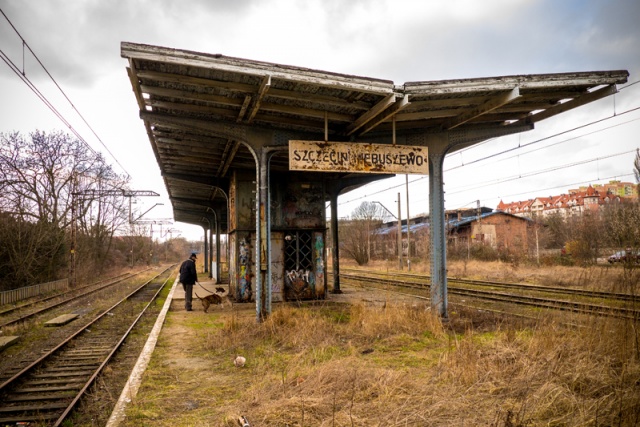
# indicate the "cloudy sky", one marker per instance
pixel 401 40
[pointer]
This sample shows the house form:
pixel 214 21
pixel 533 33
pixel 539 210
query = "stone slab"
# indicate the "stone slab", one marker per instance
pixel 8 341
pixel 61 320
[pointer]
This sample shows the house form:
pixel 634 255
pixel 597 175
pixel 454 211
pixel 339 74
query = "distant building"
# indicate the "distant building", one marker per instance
pixel 497 229
pixel 576 202
pixel 468 226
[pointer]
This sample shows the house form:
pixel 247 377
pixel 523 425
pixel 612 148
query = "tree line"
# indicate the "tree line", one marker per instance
pixel 578 239
pixel 50 182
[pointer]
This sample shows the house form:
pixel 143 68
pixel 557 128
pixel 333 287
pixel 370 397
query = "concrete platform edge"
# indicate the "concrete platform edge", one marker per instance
pixel 135 379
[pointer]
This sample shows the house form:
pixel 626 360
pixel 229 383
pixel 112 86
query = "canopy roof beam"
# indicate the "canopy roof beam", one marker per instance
pixel 484 108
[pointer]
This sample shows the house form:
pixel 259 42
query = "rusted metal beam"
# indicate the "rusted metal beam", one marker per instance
pixel 568 105
pixel 264 87
pixel 484 108
pixel 210 181
pixel 224 165
pixel 387 114
pixel 371 114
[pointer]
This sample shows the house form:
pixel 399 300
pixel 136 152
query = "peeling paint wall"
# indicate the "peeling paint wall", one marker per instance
pixel 244 200
pixel 297 208
pixel 233 222
pixel 297 201
pixel 319 259
pixel 241 266
pixel 277 266
pixel 244 284
pixel 233 264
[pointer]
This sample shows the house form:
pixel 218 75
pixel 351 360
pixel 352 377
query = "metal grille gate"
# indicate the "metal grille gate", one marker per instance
pixel 298 251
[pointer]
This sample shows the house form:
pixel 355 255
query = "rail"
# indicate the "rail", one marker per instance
pixel 67 297
pixel 610 304
pixel 46 391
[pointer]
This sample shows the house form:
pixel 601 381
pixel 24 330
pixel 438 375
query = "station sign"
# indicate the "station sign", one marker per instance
pixel 321 156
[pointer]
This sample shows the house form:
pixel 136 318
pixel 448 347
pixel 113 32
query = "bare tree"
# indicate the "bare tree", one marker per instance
pixel 636 171
pixel 41 177
pixel 358 234
pixel 623 225
pixel 103 213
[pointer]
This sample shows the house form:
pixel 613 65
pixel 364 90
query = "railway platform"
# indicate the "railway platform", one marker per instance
pixel 180 321
pixel 202 288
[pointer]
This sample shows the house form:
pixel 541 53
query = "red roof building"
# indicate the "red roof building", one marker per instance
pixel 578 201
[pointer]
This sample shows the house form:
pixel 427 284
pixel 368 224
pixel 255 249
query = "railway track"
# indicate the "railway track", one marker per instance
pixel 33 308
pixel 591 302
pixel 10 308
pixel 46 391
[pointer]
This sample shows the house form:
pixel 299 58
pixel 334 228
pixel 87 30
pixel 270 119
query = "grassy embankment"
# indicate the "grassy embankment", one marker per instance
pixel 358 365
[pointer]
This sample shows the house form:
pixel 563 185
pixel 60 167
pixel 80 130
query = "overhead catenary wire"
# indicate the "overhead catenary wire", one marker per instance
pixel 32 86
pixel 500 181
pixel 43 98
pixel 520 146
pixel 538 172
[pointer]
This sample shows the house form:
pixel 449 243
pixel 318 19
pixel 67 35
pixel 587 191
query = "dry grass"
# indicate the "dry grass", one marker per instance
pixel 597 277
pixel 361 365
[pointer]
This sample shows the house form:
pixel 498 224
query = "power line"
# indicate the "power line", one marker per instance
pixel 517 148
pixel 555 143
pixel 570 185
pixel 550 137
pixel 555 187
pixel 538 172
pixel 24 78
pixel 43 98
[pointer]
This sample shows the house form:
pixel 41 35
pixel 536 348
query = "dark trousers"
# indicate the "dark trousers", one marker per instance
pixel 188 296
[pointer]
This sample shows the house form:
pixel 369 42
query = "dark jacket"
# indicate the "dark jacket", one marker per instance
pixel 188 274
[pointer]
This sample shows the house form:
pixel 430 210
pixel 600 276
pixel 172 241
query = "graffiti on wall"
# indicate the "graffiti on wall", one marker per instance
pixel 319 264
pixel 232 204
pixel 298 205
pixel 298 284
pixel 244 269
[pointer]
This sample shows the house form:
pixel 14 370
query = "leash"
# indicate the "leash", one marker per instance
pixel 205 288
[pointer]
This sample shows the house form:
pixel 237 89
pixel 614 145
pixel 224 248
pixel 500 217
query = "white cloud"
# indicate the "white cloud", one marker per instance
pixel 400 40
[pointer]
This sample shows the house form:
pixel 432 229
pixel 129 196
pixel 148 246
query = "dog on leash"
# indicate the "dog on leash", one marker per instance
pixel 210 299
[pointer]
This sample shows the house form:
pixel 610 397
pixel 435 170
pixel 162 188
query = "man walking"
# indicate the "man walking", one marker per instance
pixel 188 277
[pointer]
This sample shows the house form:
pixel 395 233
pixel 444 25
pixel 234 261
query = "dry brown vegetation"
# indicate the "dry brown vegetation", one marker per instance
pixel 603 277
pixel 365 365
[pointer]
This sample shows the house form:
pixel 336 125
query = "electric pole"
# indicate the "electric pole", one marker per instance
pixel 399 235
pixel 72 245
pixel 408 226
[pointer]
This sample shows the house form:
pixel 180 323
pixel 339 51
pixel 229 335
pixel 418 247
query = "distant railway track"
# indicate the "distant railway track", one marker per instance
pixel 575 300
pixel 10 308
pixel 35 307
pixel 46 391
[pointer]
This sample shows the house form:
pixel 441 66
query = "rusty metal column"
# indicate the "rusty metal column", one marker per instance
pixel 263 240
pixel 261 176
pixel 218 267
pixel 206 248
pixel 211 250
pixel 438 238
pixel 335 252
pixel 269 281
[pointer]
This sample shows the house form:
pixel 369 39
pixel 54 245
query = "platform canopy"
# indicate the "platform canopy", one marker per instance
pixel 192 104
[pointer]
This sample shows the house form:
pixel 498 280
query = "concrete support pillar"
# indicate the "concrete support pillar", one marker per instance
pixel 438 239
pixel 335 250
